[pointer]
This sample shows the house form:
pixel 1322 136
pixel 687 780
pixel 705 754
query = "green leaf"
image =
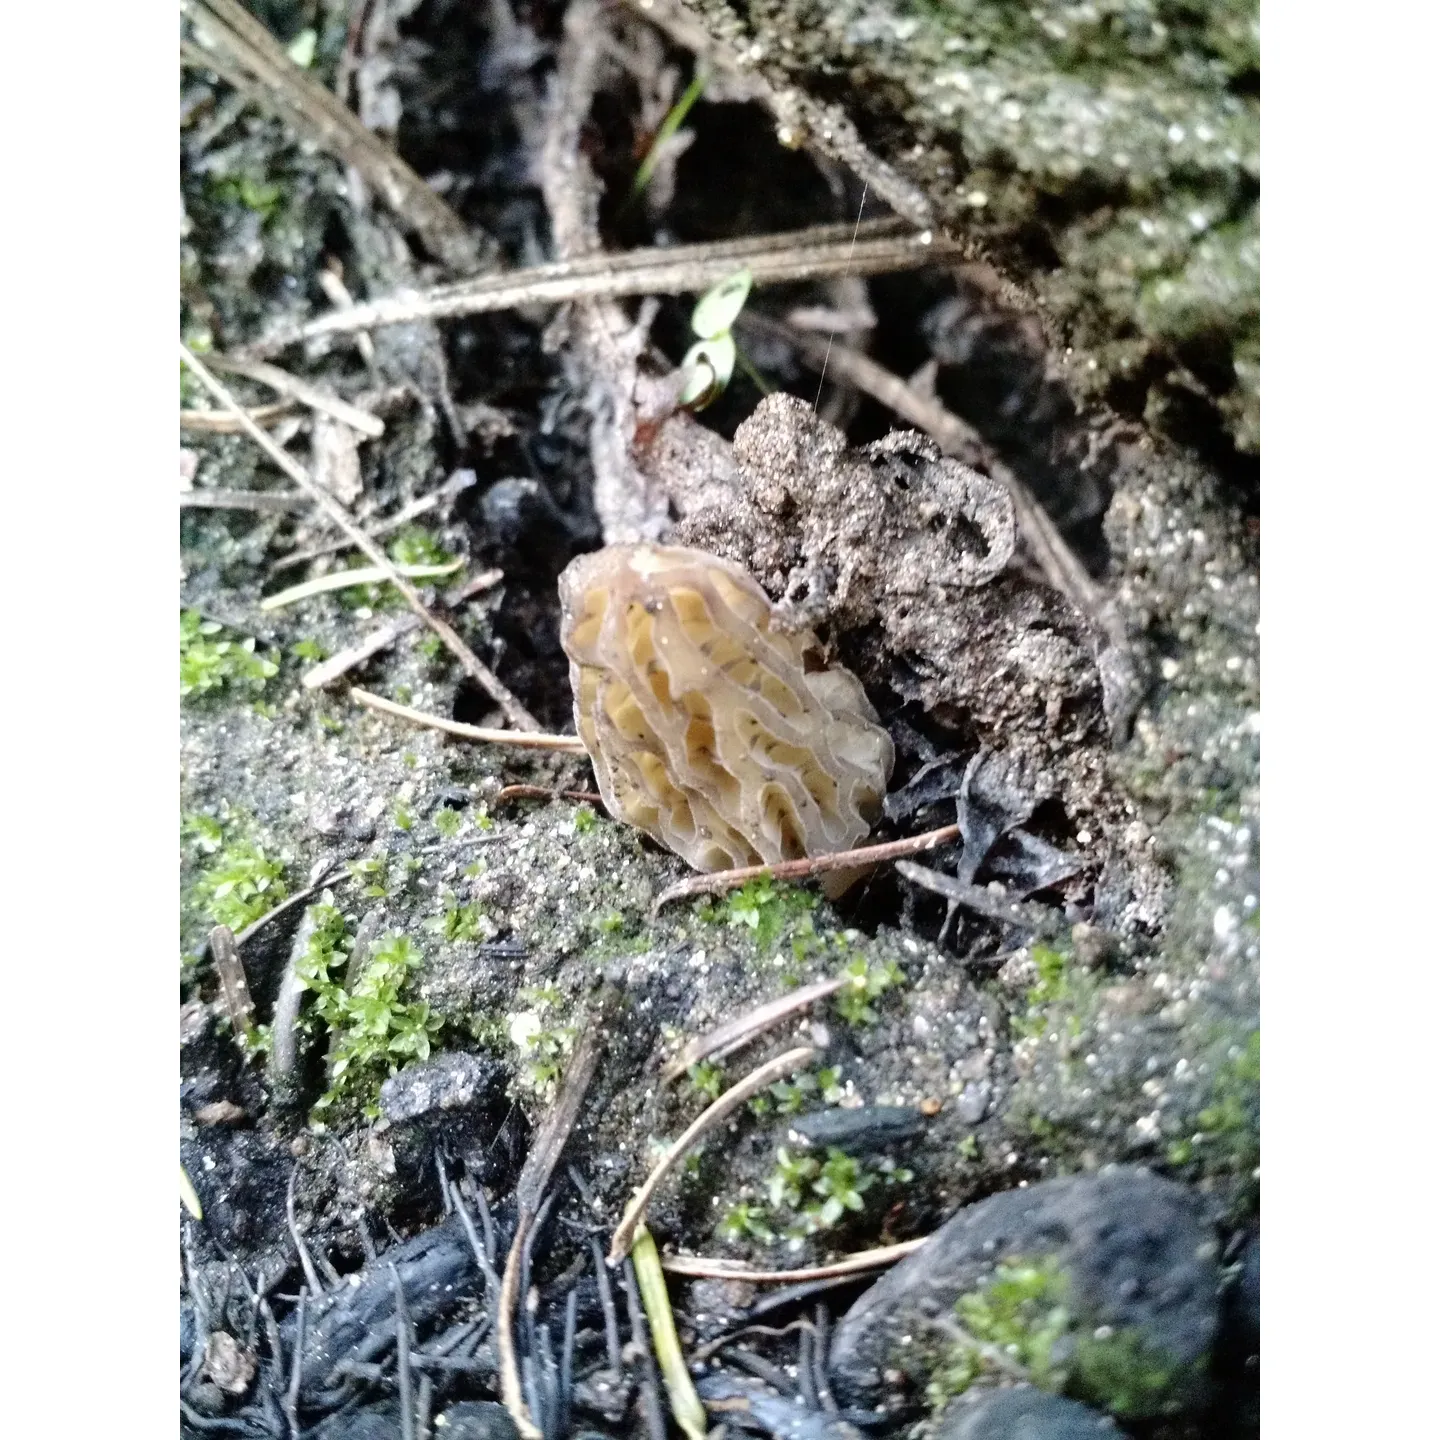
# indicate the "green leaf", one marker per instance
pixel 710 364
pixel 302 48
pixel 717 309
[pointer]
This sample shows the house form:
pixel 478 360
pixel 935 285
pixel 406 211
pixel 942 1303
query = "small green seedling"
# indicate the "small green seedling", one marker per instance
pixel 710 361
pixel 745 1222
pixel 302 48
pixel 867 982
pixel 448 822
pixel 458 924
pixel 674 119
pixel 708 1079
pixel 820 1193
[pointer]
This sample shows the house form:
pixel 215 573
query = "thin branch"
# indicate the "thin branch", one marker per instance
pixel 287 904
pixel 262 501
pixel 213 422
pixel 239 1007
pixel 238 48
pixel 518 715
pixel 703 1267
pixel 292 1394
pixel 402 1356
pixel 730 1036
pixel 539 792
pixel 525 739
pixel 604 347
pixel 345 579
pixel 802 119
pixel 681 269
pixel 859 859
pixel 305 391
pixel 307 1262
pixel 1006 909
pixel 708 1119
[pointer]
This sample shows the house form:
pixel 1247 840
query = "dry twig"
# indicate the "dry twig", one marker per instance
pixel 345 579
pixel 1006 909
pixel 802 119
pixel 539 792
pixel 328 671
pixel 288 904
pixel 305 391
pixel 729 1037
pixel 213 422
pixel 604 347
pixel 267 502
pixel 457 484
pixel 702 1267
pixel 682 269
pixel 859 859
pixel 239 1007
pixel 708 1119
pixel 517 714
pixel 525 739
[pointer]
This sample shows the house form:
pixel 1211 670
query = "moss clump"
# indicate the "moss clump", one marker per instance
pixel 818 1194
pixel 789 1097
pixel 373 1032
pixel 1120 1373
pixel 1226 1136
pixel 1019 1311
pixel 1058 999
pixel 241 883
pixel 1023 1315
pixel 764 908
pixel 448 822
pixel 459 924
pixel 542 1037
pixel 209 664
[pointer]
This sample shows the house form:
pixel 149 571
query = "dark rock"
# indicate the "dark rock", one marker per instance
pixel 869 1127
pixel 1023 1413
pixel 452 1081
pixel 478 1420
pixel 1134 1269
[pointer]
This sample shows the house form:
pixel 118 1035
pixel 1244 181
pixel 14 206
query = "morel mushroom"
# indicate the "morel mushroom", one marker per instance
pixel 716 734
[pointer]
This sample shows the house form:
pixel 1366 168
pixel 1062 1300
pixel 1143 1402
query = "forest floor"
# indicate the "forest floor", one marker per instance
pixel 406 952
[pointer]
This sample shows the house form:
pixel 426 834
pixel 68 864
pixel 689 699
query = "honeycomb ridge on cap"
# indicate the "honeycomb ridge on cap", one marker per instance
pixel 725 740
